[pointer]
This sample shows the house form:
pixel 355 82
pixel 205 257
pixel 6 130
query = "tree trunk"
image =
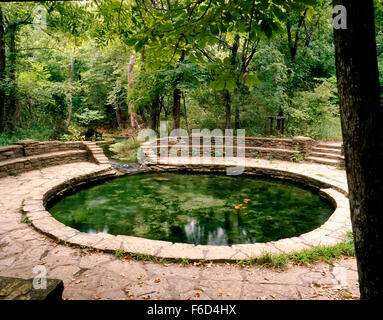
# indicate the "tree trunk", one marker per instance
pixel 131 114
pixel 177 98
pixel 293 46
pixel 2 71
pixel 228 109
pixel 118 118
pixel 70 105
pixel 362 127
pixel 12 112
pixel 186 115
pixel 155 112
pixel 176 108
pixel 236 119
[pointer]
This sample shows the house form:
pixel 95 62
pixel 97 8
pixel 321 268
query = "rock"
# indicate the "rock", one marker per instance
pixel 129 167
pixel 21 289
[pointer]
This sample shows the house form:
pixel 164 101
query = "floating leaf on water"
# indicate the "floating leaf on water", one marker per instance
pixel 161 179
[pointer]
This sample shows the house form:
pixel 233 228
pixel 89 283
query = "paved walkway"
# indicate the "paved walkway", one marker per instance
pixel 103 276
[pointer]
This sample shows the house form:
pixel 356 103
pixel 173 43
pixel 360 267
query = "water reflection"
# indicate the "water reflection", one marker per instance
pixel 194 208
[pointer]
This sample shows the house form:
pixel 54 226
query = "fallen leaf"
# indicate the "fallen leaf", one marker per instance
pixel 228 294
pixel 96 297
pixel 197 295
pixel 267 279
pixel 145 297
pixel 272 295
pixel 157 281
pixel 2 294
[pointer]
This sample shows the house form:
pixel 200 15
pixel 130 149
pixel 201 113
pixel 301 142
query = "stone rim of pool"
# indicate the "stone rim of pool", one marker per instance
pixel 329 233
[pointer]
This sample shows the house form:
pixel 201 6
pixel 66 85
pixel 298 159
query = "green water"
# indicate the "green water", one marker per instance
pixel 194 208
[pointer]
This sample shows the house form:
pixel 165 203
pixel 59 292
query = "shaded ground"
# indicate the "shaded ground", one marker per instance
pixel 102 276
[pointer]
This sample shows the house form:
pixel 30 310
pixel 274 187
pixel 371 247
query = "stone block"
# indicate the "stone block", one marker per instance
pixel 22 289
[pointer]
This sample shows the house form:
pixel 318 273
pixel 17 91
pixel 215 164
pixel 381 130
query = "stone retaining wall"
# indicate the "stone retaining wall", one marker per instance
pixel 276 148
pixel 32 147
pixel 26 155
pixel 10 152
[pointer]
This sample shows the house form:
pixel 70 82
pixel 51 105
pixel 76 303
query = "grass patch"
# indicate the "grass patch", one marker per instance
pixel 297 157
pixel 185 262
pixel 119 253
pixel 304 257
pixel 13 173
pixel 126 151
pixel 25 219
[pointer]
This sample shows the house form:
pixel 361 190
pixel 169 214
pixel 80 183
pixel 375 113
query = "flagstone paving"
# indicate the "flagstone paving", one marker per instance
pixel 98 275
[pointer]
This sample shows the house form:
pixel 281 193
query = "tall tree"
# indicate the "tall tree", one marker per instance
pixel 131 113
pixel 177 97
pixel 362 118
pixel 2 70
pixel 70 89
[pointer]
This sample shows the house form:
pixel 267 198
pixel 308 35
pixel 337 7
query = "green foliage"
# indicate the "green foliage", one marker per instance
pixel 297 157
pixel 225 47
pixel 25 219
pixel 185 262
pixel 37 131
pixel 119 253
pixel 126 151
pixel 76 133
pixel 89 116
pixel 316 113
pixel 13 173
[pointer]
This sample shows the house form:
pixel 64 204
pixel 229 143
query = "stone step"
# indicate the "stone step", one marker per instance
pixel 326 155
pixel 331 162
pixel 45 156
pixel 326 151
pixel 329 146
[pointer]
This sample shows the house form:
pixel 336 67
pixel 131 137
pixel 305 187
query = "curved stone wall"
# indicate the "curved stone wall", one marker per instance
pixel 331 232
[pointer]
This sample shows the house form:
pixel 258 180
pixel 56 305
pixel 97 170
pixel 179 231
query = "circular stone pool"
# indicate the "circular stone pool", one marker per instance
pixel 191 208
